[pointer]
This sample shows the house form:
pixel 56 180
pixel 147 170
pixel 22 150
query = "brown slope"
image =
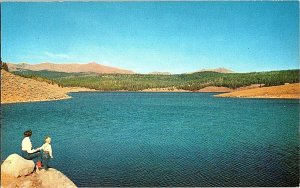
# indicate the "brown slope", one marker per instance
pixel 288 91
pixel 74 67
pixel 16 89
pixel 226 89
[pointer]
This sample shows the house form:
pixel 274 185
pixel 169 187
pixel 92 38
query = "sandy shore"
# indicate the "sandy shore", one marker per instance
pixel 66 96
pixel 167 89
pixel 288 91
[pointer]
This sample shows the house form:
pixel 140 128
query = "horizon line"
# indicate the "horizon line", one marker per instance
pixel 149 72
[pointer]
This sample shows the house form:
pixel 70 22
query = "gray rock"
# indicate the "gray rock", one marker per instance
pixel 16 166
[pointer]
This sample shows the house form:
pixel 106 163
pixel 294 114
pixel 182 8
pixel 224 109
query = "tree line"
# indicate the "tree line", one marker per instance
pixel 3 66
pixel 191 82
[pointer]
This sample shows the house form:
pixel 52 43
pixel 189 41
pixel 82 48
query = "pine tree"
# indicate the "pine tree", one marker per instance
pixel 5 67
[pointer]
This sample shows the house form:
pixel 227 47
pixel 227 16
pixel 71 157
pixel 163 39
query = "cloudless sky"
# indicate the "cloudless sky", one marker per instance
pixel 176 37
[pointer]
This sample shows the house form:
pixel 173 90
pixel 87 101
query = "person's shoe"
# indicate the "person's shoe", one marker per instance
pixel 37 169
pixel 39 164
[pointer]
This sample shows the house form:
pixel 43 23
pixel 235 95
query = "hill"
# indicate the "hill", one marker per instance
pixel 69 68
pixel 219 70
pixel 19 89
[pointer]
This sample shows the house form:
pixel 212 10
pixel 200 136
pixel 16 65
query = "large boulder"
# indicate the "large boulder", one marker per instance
pixel 52 178
pixel 16 166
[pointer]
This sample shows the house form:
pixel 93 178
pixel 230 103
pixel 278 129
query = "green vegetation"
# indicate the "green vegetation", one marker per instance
pixel 37 75
pixel 137 82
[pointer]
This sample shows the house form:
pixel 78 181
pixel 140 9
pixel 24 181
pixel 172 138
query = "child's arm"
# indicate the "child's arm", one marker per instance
pixel 50 151
pixel 41 148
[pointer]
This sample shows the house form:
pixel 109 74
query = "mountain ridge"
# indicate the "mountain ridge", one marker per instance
pixel 92 67
pixel 70 68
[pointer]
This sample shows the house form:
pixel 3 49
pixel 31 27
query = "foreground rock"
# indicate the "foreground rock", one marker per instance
pixel 16 166
pixel 287 91
pixel 14 175
pixel 54 178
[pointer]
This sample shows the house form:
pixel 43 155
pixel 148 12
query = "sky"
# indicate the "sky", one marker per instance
pixel 175 37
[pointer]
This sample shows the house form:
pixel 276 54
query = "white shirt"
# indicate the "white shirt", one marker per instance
pixel 47 147
pixel 27 146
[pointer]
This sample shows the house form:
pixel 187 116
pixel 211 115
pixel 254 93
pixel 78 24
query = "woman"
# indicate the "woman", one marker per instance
pixel 27 151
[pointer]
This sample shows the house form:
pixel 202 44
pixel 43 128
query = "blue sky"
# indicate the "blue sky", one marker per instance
pixel 176 37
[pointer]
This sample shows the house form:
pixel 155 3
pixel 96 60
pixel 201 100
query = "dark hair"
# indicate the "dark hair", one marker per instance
pixel 28 133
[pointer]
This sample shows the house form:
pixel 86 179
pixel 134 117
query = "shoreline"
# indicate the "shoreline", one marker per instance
pixel 87 90
pixel 69 90
pixel 41 100
pixel 221 95
pixel 258 97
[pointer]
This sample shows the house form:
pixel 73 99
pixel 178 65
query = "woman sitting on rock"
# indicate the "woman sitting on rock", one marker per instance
pixel 27 151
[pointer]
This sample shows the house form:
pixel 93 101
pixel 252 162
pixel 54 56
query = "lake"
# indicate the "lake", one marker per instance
pixel 162 139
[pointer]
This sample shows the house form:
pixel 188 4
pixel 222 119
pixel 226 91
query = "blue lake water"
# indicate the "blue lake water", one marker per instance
pixel 162 139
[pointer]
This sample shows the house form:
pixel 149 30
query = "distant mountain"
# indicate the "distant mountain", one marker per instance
pixel 160 73
pixel 74 67
pixel 219 70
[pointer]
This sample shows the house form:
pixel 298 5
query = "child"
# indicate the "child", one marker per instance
pixel 47 152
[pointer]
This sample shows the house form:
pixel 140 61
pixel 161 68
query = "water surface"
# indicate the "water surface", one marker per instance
pixel 162 139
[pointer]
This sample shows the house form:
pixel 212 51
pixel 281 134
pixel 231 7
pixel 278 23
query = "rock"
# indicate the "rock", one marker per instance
pixel 54 178
pixel 27 184
pixel 16 166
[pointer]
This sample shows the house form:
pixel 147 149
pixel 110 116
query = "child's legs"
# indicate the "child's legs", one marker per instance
pixel 46 160
pixel 45 164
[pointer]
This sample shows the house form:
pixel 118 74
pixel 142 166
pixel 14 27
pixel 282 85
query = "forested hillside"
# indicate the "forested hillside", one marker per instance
pixel 191 82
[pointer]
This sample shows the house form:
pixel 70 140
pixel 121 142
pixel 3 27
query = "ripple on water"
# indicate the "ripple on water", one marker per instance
pixel 163 139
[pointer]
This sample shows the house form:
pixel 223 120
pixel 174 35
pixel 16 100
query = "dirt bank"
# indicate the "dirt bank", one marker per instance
pixel 287 91
pixel 16 89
